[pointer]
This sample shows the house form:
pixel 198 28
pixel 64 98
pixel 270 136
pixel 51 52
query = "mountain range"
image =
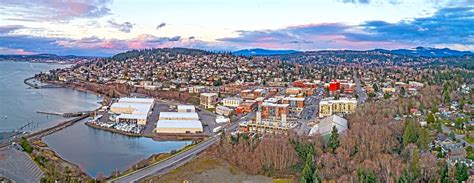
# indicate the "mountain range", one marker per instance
pixel 418 51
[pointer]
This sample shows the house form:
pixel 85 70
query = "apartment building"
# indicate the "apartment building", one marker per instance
pixel 328 107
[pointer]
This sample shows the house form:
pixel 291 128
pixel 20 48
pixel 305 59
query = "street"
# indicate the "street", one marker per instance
pixel 362 95
pixel 167 165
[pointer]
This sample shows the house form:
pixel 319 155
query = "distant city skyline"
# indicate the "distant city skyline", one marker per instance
pixel 105 27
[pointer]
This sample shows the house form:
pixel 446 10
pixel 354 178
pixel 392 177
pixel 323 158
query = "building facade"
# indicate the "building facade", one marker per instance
pixel 208 100
pixel 330 107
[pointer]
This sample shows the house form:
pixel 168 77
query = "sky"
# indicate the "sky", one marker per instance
pixel 106 27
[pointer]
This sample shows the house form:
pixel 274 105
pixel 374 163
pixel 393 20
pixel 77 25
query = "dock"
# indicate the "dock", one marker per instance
pixel 65 115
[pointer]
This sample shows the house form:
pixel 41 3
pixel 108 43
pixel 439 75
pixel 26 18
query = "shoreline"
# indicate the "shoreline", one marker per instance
pixel 115 130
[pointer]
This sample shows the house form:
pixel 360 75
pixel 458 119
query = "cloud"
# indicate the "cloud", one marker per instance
pixel 54 10
pixel 5 29
pixel 448 26
pixel 91 46
pixel 122 27
pixel 356 1
pixel 9 51
pixel 158 27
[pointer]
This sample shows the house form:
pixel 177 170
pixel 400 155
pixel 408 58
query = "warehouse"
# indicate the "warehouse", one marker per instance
pixel 178 126
pixel 178 116
pixel 132 110
pixel 186 108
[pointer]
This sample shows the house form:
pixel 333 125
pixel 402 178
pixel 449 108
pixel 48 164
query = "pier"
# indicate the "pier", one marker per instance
pixel 66 115
pixel 48 131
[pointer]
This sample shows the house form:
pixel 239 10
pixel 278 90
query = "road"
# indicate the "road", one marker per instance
pixel 362 95
pixel 182 158
pixel 235 125
pixel 167 165
pixel 310 111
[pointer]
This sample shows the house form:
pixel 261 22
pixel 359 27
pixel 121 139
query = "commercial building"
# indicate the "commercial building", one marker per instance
pixel 246 107
pixel 328 107
pixel 326 125
pixel 183 121
pixel 270 118
pixel 208 100
pixel 223 110
pixel 132 110
pixel 296 104
pixel 178 116
pixel 178 126
pixel 334 86
pixel 186 108
pixel 232 101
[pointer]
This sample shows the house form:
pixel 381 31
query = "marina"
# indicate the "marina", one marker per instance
pixel 43 111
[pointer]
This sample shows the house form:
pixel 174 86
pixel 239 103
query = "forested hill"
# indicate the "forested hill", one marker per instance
pixel 152 54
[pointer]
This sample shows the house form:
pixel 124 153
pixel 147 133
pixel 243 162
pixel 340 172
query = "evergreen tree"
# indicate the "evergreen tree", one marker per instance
pixel 430 118
pixel 402 91
pixel 376 88
pixel 444 173
pixel 415 168
pixel 307 175
pixel 452 136
pixel 423 139
pixel 410 133
pixel 461 172
pixel 333 142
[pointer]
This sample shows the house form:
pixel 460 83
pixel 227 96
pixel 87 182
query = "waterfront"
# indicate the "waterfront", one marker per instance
pixel 19 103
pixel 98 151
pixel 95 151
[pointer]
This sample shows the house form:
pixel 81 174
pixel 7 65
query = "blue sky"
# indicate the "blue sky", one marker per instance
pixel 105 27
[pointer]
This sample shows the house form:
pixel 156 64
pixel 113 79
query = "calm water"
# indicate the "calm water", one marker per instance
pixel 96 151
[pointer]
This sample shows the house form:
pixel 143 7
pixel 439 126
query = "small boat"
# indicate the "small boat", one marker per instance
pixel 6 117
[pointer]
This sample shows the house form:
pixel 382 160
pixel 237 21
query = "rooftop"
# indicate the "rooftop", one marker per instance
pixel 136 100
pixel 179 124
pixel 187 115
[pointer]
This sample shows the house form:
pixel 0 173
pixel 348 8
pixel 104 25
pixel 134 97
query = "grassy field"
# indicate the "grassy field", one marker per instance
pixel 206 168
pixel 469 139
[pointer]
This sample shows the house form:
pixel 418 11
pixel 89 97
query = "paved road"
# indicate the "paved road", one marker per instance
pixel 235 125
pixel 167 165
pixel 360 91
pixel 310 111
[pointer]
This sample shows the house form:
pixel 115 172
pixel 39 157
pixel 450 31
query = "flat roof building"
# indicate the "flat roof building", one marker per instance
pixel 133 110
pixel 208 100
pixel 178 116
pixel 178 126
pixel 186 108
pixel 328 107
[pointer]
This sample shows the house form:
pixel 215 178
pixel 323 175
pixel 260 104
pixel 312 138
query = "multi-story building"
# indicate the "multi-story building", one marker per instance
pixel 327 107
pixel 208 100
pixel 232 101
pixel 296 104
pixel 270 118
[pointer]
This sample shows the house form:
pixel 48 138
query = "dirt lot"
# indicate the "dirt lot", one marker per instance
pixel 207 169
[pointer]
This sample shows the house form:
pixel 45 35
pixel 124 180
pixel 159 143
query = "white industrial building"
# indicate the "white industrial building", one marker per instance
pixel 178 126
pixel 132 110
pixel 182 121
pixel 178 116
pixel 186 108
